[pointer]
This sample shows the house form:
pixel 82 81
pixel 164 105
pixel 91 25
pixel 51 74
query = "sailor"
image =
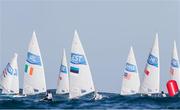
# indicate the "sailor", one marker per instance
pixel 97 96
pixel 163 94
pixel 49 96
pixel 149 95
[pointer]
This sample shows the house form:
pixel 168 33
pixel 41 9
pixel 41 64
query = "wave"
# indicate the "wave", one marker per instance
pixel 109 101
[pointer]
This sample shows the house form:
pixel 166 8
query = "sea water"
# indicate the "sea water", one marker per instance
pixel 110 101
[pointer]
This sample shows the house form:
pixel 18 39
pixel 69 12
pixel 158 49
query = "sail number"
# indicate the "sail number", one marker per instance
pixel 63 69
pixel 152 60
pixel 9 69
pixel 78 59
pixel 33 59
pixel 130 67
pixel 174 63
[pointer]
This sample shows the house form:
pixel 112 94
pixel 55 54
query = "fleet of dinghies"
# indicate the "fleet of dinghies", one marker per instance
pixel 76 80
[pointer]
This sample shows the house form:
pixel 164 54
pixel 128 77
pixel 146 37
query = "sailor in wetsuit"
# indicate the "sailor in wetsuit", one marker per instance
pixel 49 96
pixel 163 94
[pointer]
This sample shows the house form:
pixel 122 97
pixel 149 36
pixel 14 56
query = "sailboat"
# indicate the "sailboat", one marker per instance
pixel 81 82
pixel 175 68
pixel 34 77
pixel 151 81
pixel 63 77
pixel 131 82
pixel 9 80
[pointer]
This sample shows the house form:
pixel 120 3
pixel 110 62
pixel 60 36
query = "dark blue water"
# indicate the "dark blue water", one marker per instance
pixel 110 100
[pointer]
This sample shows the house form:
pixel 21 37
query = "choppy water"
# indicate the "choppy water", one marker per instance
pixel 110 100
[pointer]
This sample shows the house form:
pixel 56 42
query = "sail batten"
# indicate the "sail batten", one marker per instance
pixel 81 82
pixel 34 77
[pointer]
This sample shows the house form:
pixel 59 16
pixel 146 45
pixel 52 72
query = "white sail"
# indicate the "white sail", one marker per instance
pixel 34 77
pixel 81 82
pixel 63 77
pixel 9 80
pixel 15 79
pixel 131 82
pixel 151 81
pixel 175 68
